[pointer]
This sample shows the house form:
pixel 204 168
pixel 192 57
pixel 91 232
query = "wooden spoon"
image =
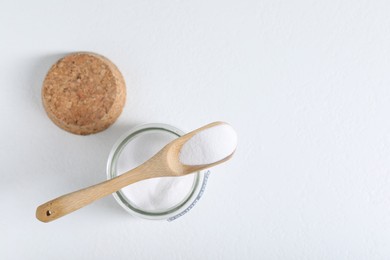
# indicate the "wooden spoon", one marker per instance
pixel 165 163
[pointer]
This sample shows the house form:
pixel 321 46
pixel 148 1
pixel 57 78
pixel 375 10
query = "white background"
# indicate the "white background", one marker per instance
pixel 306 84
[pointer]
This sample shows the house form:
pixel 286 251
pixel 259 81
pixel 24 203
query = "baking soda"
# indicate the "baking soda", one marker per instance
pixel 160 194
pixel 209 146
pixel 157 194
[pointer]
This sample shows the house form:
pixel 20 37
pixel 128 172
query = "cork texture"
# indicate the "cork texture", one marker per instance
pixel 83 93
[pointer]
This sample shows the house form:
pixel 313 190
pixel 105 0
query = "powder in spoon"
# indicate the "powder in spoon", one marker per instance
pixel 209 146
pixel 157 194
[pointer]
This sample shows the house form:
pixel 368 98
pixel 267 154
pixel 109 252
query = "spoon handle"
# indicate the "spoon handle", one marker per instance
pixel 70 202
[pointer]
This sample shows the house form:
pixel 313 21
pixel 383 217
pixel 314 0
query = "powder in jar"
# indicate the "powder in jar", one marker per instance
pixel 157 194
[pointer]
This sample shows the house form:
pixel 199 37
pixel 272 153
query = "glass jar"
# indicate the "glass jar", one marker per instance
pixel 146 199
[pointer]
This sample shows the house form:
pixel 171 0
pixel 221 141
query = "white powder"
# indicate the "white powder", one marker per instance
pixel 157 194
pixel 209 146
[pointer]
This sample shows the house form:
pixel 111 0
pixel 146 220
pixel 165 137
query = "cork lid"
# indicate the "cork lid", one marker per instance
pixel 83 93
